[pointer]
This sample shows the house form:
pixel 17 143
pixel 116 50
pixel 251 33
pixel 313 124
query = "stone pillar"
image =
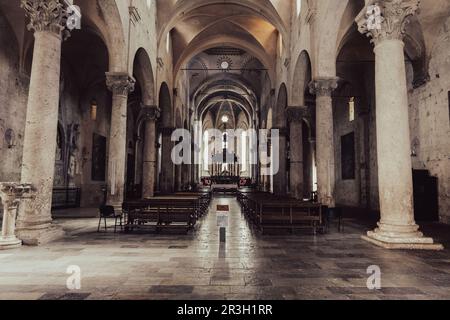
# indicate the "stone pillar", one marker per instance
pixel 295 117
pixel 279 178
pixel 252 155
pixel 262 169
pixel 151 115
pixel 308 178
pixel 11 195
pixel 192 166
pixel 322 88
pixel 178 178
pixel 168 167
pixel 34 222
pixel 363 126
pixel 187 173
pixel 397 228
pixel 120 84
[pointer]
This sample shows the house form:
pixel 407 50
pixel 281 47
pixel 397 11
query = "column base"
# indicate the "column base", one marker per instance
pixel 393 240
pixel 10 243
pixel 36 235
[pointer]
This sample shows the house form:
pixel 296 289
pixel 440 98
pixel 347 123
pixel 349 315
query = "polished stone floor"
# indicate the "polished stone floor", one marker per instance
pixel 196 266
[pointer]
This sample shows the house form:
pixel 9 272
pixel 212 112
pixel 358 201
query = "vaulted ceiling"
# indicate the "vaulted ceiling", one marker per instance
pixel 225 81
pixel 197 25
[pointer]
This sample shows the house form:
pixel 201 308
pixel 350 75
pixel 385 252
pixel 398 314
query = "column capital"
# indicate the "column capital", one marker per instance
pixel 120 83
pixel 323 86
pixel 45 15
pixel 11 193
pixel 297 113
pixel 150 112
pixel 386 19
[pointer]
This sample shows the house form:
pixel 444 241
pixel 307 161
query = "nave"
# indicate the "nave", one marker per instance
pixel 196 266
pixel 304 102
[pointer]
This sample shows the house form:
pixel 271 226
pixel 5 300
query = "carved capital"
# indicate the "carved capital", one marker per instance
pixel 45 15
pixel 386 19
pixel 11 193
pixel 120 83
pixel 323 86
pixel 297 114
pixel 150 113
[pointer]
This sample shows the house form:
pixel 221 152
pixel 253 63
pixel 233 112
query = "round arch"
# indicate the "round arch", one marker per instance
pixel 200 45
pixel 111 30
pixel 165 105
pixel 325 57
pixel 280 114
pixel 261 8
pixel 143 73
pixel 269 123
pixel 301 79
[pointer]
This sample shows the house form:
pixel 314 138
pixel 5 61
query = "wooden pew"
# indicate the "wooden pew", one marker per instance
pixel 203 197
pixel 289 215
pixel 165 212
pixel 269 212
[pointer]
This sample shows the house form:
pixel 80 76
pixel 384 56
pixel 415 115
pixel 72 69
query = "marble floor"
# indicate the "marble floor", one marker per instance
pixel 196 266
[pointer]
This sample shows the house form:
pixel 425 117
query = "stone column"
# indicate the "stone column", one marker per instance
pixel 262 169
pixel 192 166
pixel 295 117
pixel 309 186
pixel 168 167
pixel 34 222
pixel 363 125
pixel 279 181
pixel 397 228
pixel 187 168
pixel 120 84
pixel 178 178
pixel 11 195
pixel 322 88
pixel 151 115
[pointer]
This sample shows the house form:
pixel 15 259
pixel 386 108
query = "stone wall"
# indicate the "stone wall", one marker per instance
pixel 13 100
pixel 429 118
pixel 91 191
pixel 358 82
pixel 347 190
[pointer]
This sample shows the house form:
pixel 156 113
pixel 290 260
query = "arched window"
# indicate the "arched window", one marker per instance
pixel 225 141
pixel 206 149
pixel 168 42
pixel 351 109
pixel 244 151
pixel 299 7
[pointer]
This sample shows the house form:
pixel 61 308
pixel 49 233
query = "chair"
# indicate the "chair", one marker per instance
pixel 331 214
pixel 108 212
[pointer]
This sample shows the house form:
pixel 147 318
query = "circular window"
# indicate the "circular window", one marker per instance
pixel 224 63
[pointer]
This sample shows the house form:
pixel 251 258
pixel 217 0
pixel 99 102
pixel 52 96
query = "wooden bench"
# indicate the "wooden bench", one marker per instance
pixel 269 212
pixel 165 212
pixel 290 215
pixel 225 189
pixel 204 200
